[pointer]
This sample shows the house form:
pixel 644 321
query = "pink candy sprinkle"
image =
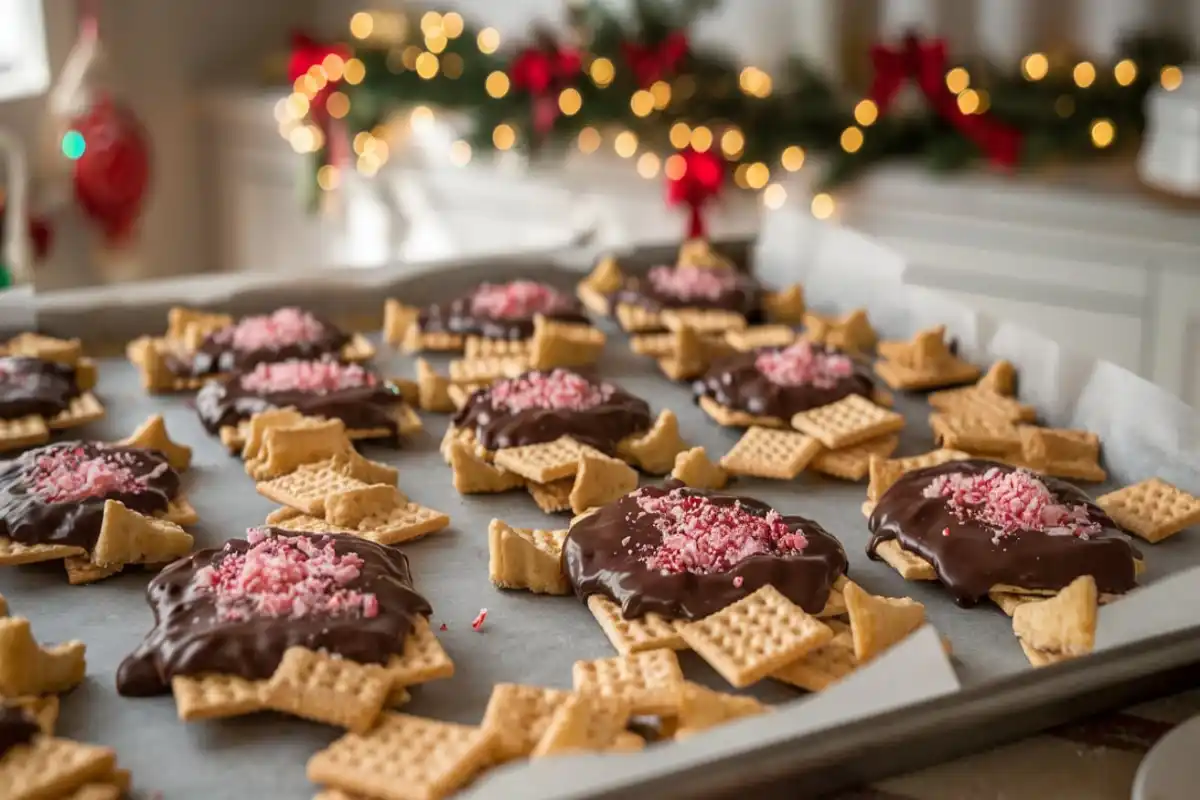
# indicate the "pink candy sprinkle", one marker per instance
pixel 1010 502
pixel 738 580
pixel 692 283
pixel 548 390
pixel 477 624
pixel 703 537
pixel 803 365
pixel 284 327
pixel 443 627
pixel 314 377
pixel 69 475
pixel 515 300
pixel 286 576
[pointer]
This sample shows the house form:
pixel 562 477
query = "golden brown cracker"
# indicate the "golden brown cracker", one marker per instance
pixel 52 768
pixel 636 319
pixel 152 435
pixel 600 480
pixel 886 471
pixel 1062 625
pixel 1152 510
pixel 212 696
pixel 757 336
pixel 704 708
pixel 974 432
pixel 564 344
pixel 702 320
pixel 403 758
pixel 524 558
pixel 748 640
pixel 543 462
pixel 22 432
pixel 433 389
pixel 733 418
pixel 654 451
pixel 326 688
pixel 694 469
pixel 1001 379
pixel 877 623
pixel 785 306
pixel 14 554
pixel 853 463
pixel 27 668
pixel 583 723
pixel 517 716
pixel 650 682
pixel 423 659
pixel 127 537
pixel 553 497
pixel 911 566
pixel 648 632
pixel 764 453
pixel 823 667
pixel 849 421
pixel 397 320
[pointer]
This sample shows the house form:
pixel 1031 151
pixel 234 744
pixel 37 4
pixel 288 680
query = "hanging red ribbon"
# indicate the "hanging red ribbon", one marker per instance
pixel 701 180
pixel 924 63
pixel 654 62
pixel 306 54
pixel 542 72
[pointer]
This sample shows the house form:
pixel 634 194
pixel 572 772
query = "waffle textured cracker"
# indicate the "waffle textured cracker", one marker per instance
pixel 524 558
pixel 377 512
pixel 975 432
pixel 517 716
pixel 542 463
pixel 853 463
pixel 824 666
pixel 704 708
pixel 705 321
pixel 756 336
pixel 473 474
pixel 748 640
pixel 766 453
pixel 564 344
pixel 925 362
pixel 1153 510
pixel 649 682
pixel 586 723
pixel 649 632
pixel 1063 453
pixel 404 758
pixel 55 768
pixel 849 421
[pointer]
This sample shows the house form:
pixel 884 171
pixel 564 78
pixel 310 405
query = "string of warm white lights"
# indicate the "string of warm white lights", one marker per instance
pixel 436 61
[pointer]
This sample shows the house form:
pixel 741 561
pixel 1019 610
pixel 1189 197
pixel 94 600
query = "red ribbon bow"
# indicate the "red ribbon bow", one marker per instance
pixel 653 62
pixel 542 72
pixel 306 54
pixel 701 180
pixel 924 62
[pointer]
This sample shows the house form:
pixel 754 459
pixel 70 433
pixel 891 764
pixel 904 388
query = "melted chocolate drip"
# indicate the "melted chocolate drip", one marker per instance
pixel 744 297
pixel 736 383
pixel 598 557
pixel 16 728
pixel 456 316
pixel 972 559
pixel 225 402
pixel 189 638
pixel 213 357
pixel 31 386
pixel 601 426
pixel 26 518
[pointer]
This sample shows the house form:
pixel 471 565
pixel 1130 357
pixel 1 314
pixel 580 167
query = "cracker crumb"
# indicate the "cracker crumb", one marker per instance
pixel 443 627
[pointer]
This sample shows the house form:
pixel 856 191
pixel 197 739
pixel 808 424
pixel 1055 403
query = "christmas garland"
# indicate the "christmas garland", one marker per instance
pixel 640 84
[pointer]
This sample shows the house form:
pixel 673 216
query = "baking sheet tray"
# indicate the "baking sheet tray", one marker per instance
pixel 533 639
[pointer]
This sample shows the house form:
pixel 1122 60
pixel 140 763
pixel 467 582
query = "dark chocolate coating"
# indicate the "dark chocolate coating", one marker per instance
pixel 736 383
pixel 216 358
pixel 189 638
pixel 457 317
pixel 601 556
pixel 16 728
pixel 31 386
pixel 744 297
pixel 967 561
pixel 601 426
pixel 26 518
pixel 224 402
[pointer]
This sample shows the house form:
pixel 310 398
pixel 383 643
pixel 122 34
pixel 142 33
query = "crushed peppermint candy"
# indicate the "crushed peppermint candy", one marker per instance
pixel 70 474
pixel 703 537
pixel 516 300
pixel 443 627
pixel 1010 502
pixel 801 364
pixel 477 623
pixel 692 283
pixel 738 580
pixel 284 327
pixel 286 576
pixel 559 389
pixel 312 377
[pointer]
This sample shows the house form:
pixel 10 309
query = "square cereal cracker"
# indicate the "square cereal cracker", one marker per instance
pixel 545 462
pixel 649 632
pixel 823 667
pixel 765 453
pixel 1152 510
pixel 748 640
pixel 216 696
pixel 733 418
pixel 423 660
pixel 650 682
pixel 851 420
pixel 584 723
pixel 853 463
pixel 517 716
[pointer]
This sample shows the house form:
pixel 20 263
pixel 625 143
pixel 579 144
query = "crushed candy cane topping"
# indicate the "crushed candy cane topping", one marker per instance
pixel 286 576
pixel 559 389
pixel 69 474
pixel 477 623
pixel 803 365
pixel 284 327
pixel 314 377
pixel 516 300
pixel 1009 503
pixel 703 537
pixel 692 283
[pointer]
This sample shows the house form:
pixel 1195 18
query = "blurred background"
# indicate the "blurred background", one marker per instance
pixel 1039 158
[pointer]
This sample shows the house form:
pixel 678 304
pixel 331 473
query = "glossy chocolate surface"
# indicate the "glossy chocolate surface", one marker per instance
pixel 601 556
pixel 16 728
pixel 602 426
pixel 744 296
pixel 226 402
pixel 31 386
pixel 970 559
pixel 217 356
pixel 457 316
pixel 27 517
pixel 735 382
pixel 191 638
